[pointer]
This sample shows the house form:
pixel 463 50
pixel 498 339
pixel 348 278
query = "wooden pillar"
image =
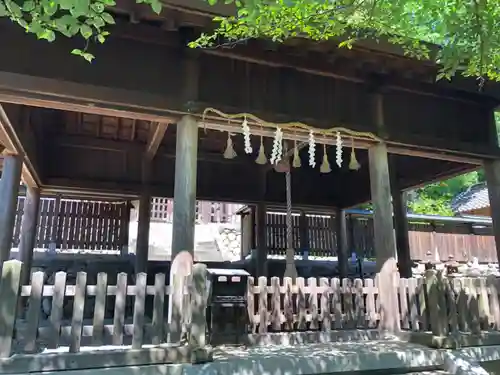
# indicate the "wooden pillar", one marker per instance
pixel 260 225
pixel 342 244
pixel 142 243
pixel 385 246
pixel 402 233
pixel 28 232
pixel 186 155
pixel 400 225
pixel 492 173
pixel 9 190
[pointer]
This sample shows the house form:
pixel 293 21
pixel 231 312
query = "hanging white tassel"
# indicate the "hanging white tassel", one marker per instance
pixel 277 147
pixel 325 165
pixel 261 159
pixel 296 163
pixel 338 153
pixel 312 150
pixel 229 153
pixel 246 136
pixel 353 162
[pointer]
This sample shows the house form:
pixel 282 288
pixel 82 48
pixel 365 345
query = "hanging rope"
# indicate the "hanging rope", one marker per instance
pixel 289 223
pixel 295 126
pixel 290 269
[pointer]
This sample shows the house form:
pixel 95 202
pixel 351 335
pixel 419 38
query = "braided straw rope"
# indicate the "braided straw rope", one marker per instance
pixel 291 126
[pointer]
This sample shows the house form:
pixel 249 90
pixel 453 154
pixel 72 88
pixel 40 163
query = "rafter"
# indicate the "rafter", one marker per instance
pixel 157 132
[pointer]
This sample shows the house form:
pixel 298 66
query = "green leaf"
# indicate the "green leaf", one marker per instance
pixel 67 4
pixel 28 6
pixel 50 7
pixel 87 56
pixel 80 8
pixel 77 52
pixel 13 8
pixel 212 2
pixel 86 31
pixel 97 7
pixel 156 6
pixel 46 34
pixel 101 38
pixel 108 18
pixel 3 10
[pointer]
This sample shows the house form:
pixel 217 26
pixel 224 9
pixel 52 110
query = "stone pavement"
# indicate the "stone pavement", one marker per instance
pixel 362 356
pixel 376 356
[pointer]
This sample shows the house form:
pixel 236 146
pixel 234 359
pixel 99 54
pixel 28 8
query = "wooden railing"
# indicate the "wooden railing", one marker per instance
pixel 107 313
pixel 430 304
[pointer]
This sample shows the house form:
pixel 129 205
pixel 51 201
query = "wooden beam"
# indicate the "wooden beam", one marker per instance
pixel 157 133
pixel 91 143
pixel 78 97
pixel 14 145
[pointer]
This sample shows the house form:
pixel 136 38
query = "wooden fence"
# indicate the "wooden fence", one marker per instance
pixel 98 225
pixel 77 224
pixel 457 240
pixel 93 315
pixel 462 241
pixel 119 314
pixel 430 304
pixel 206 212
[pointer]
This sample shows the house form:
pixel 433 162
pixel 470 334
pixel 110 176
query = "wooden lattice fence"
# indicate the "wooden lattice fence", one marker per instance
pixel 430 304
pixel 162 210
pixel 459 241
pixel 319 231
pixel 78 224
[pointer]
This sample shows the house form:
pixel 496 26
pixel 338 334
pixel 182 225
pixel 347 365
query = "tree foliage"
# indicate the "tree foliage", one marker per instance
pixel 88 19
pixel 435 199
pixel 466 31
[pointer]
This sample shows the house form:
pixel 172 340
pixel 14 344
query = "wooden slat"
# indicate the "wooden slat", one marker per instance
pixel 57 308
pixel 301 304
pixel 263 304
pixel 275 304
pixel 158 309
pixel 313 303
pixel 78 308
pixel 403 301
pixel 336 302
pixel 325 304
pixel 34 309
pixel 288 304
pixel 119 314
pixel 139 305
pixel 99 308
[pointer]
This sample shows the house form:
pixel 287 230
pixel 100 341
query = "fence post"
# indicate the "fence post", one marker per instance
pixel 199 296
pixel 388 297
pixel 438 314
pixel 9 292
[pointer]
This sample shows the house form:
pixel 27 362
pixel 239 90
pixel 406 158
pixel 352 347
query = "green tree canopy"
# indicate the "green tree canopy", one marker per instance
pixel 88 19
pixel 467 32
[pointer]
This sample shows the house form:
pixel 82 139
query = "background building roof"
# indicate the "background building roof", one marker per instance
pixel 474 198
